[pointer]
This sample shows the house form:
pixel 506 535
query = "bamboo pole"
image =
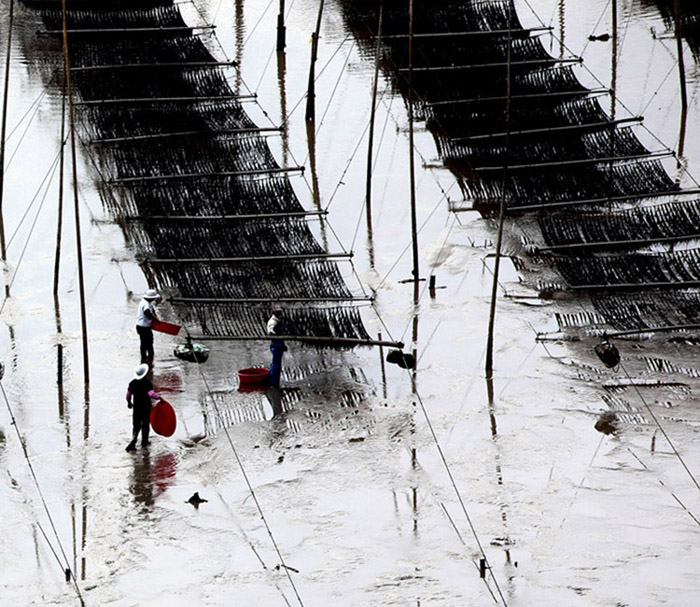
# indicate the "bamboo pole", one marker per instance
pixel 76 207
pixel 126 30
pixel 348 341
pixel 676 284
pixel 609 124
pixel 224 217
pixel 607 200
pixel 617 243
pixel 468 33
pixel 214 300
pixel 578 93
pixel 311 93
pixel 562 163
pixel 681 74
pixel 412 169
pixel 173 65
pixel 300 256
pixel 664 329
pixel 501 217
pixel 136 178
pixel 370 141
pixel 59 219
pixel 3 129
pixel 281 29
pixel 190 99
pixel 532 62
pixel 246 131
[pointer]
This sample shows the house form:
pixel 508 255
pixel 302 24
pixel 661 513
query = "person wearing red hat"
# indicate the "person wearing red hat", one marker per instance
pixel 138 397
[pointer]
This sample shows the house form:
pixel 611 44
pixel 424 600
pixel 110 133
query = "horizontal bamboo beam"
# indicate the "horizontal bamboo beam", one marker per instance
pixel 296 257
pixel 579 93
pixel 640 285
pixel 558 163
pixel 210 300
pixel 127 30
pixel 443 68
pixel 513 32
pixel 347 341
pixel 595 201
pixel 153 136
pixel 125 180
pixel 190 99
pixel 225 217
pixel 614 243
pixel 664 329
pixel 608 124
pixel 174 65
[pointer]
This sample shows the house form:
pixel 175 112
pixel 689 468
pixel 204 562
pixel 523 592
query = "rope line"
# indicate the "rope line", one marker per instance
pixel 454 484
pixel 22 443
pixel 675 497
pixel 661 428
pixel 249 485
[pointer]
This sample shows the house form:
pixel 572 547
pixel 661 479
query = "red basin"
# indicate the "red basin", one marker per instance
pixel 253 375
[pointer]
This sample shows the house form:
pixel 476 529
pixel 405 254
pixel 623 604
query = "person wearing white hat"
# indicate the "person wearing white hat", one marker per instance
pixel 144 320
pixel 138 397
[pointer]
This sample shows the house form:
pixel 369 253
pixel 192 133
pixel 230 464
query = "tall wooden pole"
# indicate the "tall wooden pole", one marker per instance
pixel 681 74
pixel 3 129
pixel 412 168
pixel 59 218
pixel 311 93
pixel 501 214
pixel 281 29
pixel 76 209
pixel 370 145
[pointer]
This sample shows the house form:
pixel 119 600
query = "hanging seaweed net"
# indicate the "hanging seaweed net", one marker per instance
pixel 191 179
pixel 539 141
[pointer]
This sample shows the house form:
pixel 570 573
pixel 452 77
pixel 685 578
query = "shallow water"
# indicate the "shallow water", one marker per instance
pixel 564 514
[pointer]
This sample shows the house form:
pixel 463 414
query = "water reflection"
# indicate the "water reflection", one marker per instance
pixel 151 476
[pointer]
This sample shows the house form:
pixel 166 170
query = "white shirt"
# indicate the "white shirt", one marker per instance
pixel 272 324
pixel 141 319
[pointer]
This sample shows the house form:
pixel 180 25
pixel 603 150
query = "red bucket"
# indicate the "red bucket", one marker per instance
pixel 253 375
pixel 165 327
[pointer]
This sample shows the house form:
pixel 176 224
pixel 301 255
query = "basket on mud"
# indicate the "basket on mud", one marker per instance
pixel 191 352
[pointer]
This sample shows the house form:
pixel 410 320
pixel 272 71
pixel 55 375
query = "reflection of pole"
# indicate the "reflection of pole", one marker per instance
pixel 311 94
pixel 501 215
pixel 381 364
pixel 78 241
pixel 3 249
pixel 281 29
pixel 499 470
pixel 370 145
pixel 414 223
pixel 681 74
pixel 59 219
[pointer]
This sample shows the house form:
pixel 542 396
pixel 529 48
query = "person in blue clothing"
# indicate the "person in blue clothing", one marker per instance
pixel 276 326
pixel 138 397
pixel 144 324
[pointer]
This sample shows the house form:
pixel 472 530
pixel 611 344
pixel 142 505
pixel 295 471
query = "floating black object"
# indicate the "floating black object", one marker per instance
pixel 608 353
pixel 195 500
pixel 397 357
pixel 607 423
